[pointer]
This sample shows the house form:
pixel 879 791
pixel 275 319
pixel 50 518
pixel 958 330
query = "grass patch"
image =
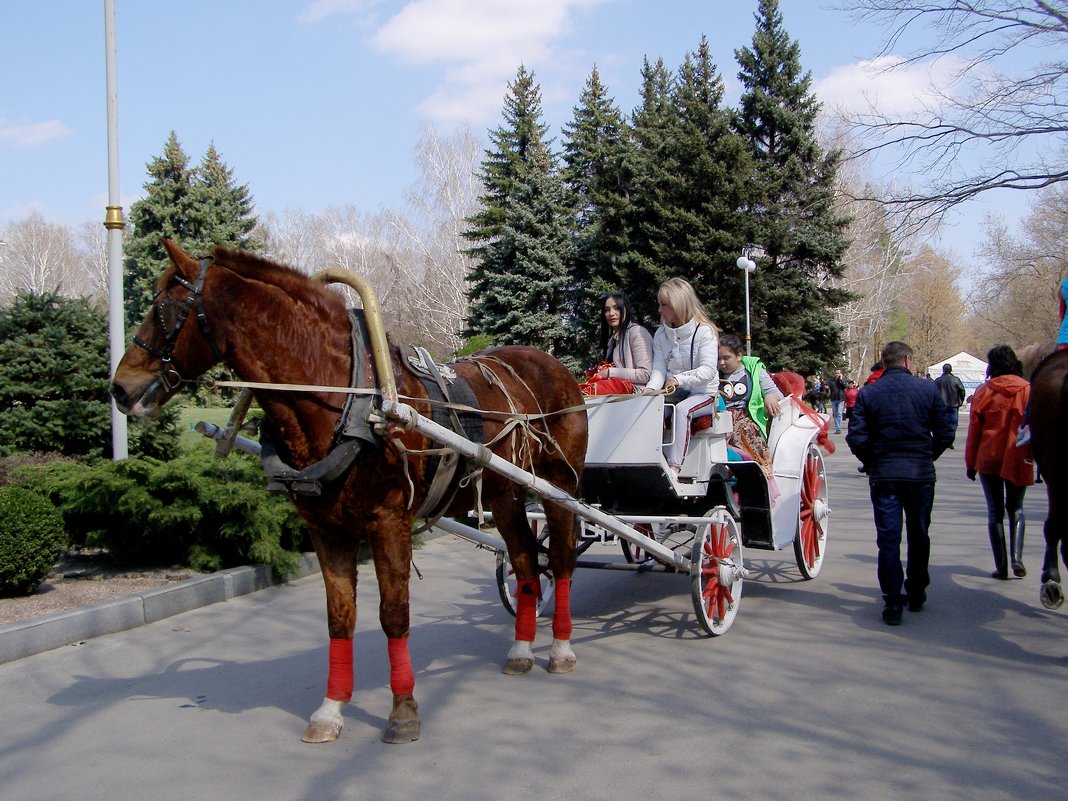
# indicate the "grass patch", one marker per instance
pixel 190 415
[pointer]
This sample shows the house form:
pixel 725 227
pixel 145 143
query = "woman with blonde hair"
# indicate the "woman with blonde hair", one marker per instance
pixel 685 359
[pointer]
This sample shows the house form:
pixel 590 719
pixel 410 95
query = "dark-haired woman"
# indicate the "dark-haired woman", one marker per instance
pixel 626 344
pixel 1004 469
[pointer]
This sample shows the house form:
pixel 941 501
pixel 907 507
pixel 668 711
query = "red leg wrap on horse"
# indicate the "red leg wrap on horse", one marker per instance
pixel 526 607
pixel 562 610
pixel 339 681
pixel 401 679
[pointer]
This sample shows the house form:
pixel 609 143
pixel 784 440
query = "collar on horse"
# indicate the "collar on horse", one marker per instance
pixel 169 374
pixel 353 429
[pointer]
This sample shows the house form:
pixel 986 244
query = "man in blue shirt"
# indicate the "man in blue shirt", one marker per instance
pixel 900 426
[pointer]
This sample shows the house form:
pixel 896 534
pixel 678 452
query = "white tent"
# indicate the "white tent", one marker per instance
pixel 970 370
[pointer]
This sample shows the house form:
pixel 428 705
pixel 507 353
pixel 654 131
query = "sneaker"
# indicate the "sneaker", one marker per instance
pixel 1023 435
pixel 892 615
pixel 915 605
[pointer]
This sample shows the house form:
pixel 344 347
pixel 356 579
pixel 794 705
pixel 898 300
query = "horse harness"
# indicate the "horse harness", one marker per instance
pixel 172 316
pixel 445 470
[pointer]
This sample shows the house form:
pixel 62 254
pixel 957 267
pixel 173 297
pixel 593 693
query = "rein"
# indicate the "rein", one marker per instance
pixel 595 401
pixel 169 374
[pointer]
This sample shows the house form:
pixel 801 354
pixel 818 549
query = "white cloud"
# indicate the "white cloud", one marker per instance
pixel 888 86
pixel 478 43
pixel 427 31
pixel 31 134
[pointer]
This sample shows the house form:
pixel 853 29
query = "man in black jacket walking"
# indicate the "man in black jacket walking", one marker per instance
pixel 900 426
pixel 951 388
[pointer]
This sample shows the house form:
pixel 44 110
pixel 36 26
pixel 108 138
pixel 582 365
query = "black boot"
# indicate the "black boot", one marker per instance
pixel 997 545
pixel 1016 538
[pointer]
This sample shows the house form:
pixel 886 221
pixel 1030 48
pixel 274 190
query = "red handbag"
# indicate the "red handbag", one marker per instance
pixel 595 385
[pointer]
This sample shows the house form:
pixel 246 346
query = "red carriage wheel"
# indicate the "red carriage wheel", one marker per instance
pixel 813 515
pixel 717 569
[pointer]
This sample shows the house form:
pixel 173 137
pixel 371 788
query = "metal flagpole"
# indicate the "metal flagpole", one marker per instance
pixel 113 221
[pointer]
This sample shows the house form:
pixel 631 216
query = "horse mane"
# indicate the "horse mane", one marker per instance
pixel 296 284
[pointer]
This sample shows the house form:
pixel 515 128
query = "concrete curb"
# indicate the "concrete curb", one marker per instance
pixel 18 640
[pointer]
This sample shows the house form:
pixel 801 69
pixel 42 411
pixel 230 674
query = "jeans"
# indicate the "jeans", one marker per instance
pixel 836 415
pixel 890 500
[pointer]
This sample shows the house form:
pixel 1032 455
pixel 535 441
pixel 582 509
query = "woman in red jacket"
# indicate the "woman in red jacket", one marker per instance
pixel 1005 469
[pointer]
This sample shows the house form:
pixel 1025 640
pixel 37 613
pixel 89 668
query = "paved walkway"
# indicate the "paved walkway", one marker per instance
pixel 808 696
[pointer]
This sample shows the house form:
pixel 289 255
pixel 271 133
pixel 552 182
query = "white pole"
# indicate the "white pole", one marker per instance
pixel 746 265
pixel 114 222
pixel 748 337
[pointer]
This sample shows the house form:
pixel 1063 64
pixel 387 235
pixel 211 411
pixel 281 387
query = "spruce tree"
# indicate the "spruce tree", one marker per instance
pixel 790 203
pixel 200 208
pixel 648 258
pixel 222 208
pixel 690 176
pixel 705 226
pixel 521 236
pixel 54 376
pixel 164 212
pixel 598 184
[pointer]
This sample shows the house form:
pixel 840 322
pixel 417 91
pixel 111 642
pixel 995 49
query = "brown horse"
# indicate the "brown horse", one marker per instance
pixel 1049 444
pixel 273 325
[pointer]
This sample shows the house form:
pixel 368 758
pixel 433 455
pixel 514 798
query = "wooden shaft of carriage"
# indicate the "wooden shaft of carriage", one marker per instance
pixel 409 418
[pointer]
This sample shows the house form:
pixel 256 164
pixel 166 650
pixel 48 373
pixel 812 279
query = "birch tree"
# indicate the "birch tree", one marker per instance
pixel 37 257
pixel 435 264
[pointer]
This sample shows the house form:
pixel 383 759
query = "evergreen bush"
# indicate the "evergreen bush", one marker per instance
pixel 54 376
pixel 196 510
pixel 31 539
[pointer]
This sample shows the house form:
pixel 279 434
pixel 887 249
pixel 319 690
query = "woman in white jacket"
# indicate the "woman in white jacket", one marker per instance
pixel 685 361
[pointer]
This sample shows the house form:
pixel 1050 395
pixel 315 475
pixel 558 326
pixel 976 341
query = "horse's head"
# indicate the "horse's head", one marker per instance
pixel 174 342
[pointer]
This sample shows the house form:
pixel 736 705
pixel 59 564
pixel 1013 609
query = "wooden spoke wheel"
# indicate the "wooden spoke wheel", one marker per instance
pixel 717 569
pixel 813 515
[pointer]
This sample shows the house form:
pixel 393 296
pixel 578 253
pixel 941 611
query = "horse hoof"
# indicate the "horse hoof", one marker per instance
pixel 401 731
pixel 403 725
pixel 562 665
pixel 518 666
pixel 321 732
pixel 1051 595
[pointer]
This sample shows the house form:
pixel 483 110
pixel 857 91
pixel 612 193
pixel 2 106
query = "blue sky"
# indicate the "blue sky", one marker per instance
pixel 319 103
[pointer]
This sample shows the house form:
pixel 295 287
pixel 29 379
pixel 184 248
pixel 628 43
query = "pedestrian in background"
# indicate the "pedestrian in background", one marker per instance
pixel 900 426
pixel 1005 470
pixel 836 388
pixel 851 393
pixel 951 387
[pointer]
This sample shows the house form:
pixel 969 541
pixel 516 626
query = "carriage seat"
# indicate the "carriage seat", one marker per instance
pixel 718 423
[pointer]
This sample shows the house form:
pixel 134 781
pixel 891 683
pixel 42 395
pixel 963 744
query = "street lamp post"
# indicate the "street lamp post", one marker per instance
pixel 747 265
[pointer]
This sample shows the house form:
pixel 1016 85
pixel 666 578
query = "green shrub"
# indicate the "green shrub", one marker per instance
pixel 196 510
pixel 54 376
pixel 31 538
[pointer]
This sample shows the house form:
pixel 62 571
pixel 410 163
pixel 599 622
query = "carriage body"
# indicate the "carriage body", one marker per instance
pixel 626 472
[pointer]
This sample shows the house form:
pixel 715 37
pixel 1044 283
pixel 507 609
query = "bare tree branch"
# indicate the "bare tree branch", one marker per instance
pixel 1001 123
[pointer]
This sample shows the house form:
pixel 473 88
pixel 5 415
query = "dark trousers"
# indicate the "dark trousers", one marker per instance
pixel 1002 496
pixel 890 500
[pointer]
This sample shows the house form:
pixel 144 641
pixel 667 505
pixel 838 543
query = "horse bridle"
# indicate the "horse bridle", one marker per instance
pixel 169 374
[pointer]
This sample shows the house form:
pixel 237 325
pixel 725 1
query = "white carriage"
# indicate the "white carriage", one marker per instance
pixel 698 522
